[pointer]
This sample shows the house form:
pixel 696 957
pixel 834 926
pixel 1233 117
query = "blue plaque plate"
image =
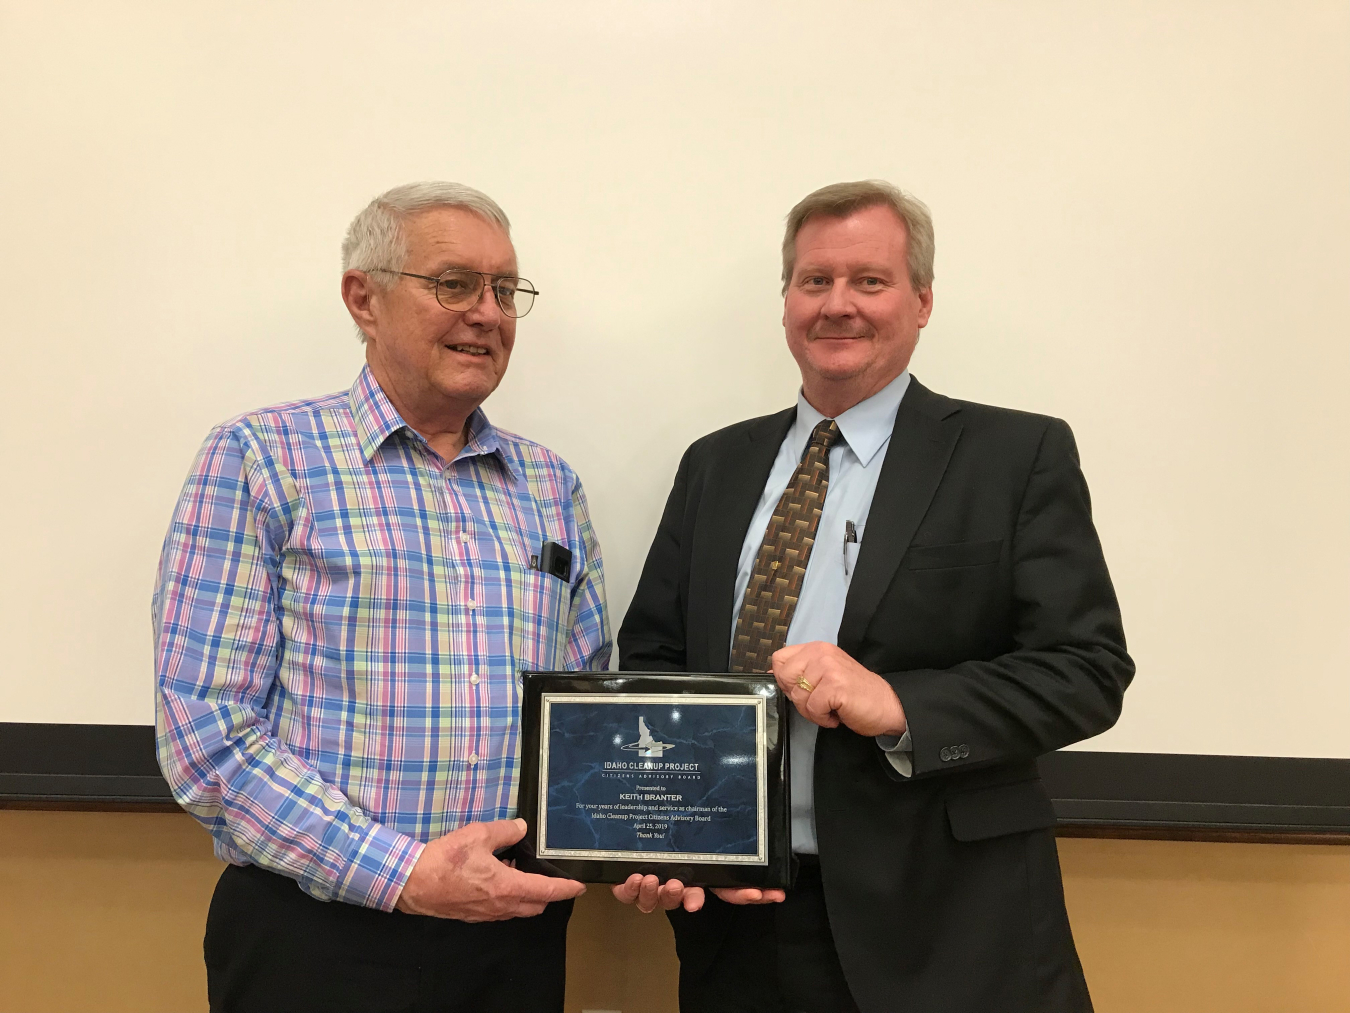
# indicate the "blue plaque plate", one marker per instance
pixel 680 775
pixel 635 776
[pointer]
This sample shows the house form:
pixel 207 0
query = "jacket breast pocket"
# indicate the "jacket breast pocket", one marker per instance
pixel 939 557
pixel 1002 809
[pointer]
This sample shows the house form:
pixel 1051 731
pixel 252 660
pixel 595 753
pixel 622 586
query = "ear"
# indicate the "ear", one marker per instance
pixel 359 294
pixel 925 306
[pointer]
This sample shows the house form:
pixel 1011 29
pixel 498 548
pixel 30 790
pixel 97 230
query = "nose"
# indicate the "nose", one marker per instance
pixel 485 313
pixel 839 303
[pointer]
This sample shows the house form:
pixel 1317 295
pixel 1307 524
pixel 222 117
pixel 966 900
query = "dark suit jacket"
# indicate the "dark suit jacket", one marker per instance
pixel 981 595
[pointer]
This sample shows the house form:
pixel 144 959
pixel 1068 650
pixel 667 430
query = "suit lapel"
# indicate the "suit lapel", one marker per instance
pixel 922 442
pixel 737 481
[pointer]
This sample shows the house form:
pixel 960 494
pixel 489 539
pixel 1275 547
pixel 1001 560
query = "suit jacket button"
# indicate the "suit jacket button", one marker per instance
pixel 946 754
pixel 965 750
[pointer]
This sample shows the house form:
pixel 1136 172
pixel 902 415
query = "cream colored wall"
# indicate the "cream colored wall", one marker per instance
pixel 103 913
pixel 1141 211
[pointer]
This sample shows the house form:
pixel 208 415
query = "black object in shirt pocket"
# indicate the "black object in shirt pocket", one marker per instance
pixel 937 557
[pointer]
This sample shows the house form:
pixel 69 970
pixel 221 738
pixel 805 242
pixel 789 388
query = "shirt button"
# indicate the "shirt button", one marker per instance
pixel 473 758
pixel 473 679
pixel 471 603
pixel 464 536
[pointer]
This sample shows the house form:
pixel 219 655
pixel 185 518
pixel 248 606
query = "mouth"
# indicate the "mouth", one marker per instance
pixel 838 337
pixel 468 349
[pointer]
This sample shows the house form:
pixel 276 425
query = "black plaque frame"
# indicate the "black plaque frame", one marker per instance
pixel 777 871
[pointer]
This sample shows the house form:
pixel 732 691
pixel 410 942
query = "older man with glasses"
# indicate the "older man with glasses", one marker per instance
pixel 346 596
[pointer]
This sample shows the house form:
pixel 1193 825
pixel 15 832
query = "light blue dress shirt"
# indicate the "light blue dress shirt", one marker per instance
pixel 855 465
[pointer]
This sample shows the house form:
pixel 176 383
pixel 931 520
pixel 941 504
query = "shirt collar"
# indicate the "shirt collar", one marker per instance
pixel 865 427
pixel 485 440
pixel 377 419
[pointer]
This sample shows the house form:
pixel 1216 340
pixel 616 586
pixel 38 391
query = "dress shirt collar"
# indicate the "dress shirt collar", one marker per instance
pixel 865 427
pixel 377 419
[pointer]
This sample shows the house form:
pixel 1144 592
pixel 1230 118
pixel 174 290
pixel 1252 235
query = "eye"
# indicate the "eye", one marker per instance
pixel 815 281
pixel 870 283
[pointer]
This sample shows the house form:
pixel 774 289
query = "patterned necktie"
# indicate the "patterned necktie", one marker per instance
pixel 776 581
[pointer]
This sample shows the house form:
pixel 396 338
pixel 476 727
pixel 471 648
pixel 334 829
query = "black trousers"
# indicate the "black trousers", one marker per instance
pixel 774 958
pixel 271 947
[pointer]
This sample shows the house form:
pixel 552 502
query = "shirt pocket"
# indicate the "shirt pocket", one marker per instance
pixel 532 608
pixel 940 557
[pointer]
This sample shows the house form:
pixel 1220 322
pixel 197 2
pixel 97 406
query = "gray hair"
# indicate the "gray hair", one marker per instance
pixel 839 200
pixel 375 238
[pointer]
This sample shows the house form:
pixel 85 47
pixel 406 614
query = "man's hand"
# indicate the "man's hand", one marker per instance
pixel 648 893
pixel 829 688
pixel 457 876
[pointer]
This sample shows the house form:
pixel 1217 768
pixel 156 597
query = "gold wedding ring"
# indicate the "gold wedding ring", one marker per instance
pixel 803 684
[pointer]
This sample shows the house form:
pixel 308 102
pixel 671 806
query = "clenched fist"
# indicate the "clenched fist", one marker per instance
pixel 829 688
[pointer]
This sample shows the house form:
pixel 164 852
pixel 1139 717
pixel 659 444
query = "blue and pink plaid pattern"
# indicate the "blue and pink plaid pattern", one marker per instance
pixel 341 618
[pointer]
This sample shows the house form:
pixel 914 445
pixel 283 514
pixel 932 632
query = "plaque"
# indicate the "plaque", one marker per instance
pixel 683 776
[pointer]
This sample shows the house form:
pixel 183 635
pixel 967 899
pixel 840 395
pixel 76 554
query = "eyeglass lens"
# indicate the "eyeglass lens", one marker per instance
pixel 458 290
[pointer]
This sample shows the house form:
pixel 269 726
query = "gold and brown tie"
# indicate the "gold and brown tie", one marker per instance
pixel 776 581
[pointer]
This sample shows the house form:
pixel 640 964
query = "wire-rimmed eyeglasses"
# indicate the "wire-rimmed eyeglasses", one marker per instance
pixel 460 289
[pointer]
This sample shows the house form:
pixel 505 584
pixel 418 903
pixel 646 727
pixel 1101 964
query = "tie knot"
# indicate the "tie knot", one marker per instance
pixel 825 434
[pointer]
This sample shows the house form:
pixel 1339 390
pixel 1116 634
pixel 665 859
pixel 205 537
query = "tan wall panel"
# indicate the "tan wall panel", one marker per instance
pixel 618 959
pixel 103 912
pixel 1179 926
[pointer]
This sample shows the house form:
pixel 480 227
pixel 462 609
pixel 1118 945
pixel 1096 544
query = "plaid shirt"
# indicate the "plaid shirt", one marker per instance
pixel 341 618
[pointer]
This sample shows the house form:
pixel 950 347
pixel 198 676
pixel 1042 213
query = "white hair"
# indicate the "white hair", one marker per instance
pixel 375 240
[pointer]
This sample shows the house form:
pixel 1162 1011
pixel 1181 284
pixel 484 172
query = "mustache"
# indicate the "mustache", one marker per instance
pixel 839 332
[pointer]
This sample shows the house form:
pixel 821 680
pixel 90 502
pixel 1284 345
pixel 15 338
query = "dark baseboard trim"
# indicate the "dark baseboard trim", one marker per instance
pixel 1155 796
pixel 15 802
pixel 1173 794
pixel 86 766
pixel 1211 836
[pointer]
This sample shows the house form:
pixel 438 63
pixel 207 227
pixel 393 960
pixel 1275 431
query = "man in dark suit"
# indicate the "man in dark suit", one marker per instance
pixel 923 578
